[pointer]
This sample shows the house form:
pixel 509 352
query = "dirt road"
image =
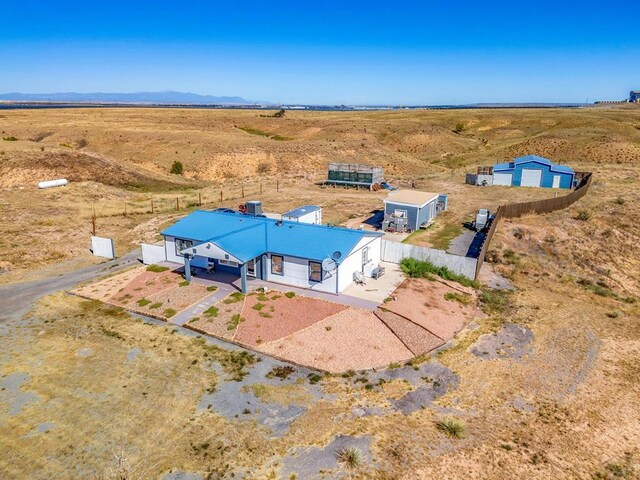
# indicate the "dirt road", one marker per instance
pixel 15 299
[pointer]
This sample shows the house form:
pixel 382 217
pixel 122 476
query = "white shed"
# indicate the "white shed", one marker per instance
pixel 306 214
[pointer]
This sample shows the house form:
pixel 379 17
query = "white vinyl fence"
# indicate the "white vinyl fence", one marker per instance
pixel 153 254
pixel 394 252
pixel 102 247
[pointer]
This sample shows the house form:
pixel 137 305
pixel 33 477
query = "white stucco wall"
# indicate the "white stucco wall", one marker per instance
pixel 296 273
pixel 170 251
pixel 353 262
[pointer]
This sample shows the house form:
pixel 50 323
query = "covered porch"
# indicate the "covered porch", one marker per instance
pixel 209 260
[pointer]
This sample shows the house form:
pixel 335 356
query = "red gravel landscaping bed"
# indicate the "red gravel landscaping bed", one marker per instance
pixel 145 285
pixel 280 316
pixel 423 302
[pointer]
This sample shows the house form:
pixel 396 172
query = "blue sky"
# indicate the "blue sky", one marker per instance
pixel 391 52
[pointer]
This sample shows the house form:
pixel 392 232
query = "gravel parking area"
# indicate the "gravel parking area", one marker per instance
pixel 351 339
pixel 271 316
pixel 423 302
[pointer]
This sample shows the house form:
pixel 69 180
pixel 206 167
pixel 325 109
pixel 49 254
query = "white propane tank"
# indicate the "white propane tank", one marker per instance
pixel 53 183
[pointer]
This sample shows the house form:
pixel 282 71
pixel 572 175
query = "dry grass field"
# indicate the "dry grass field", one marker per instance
pixel 560 401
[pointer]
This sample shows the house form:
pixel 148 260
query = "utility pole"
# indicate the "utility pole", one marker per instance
pixel 177 204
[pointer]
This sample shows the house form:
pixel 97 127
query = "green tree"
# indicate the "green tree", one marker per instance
pixel 177 168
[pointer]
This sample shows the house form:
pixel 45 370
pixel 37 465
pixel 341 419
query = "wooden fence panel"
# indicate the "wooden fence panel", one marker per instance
pixel 515 210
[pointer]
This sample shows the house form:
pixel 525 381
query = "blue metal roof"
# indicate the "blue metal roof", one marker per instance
pixel 532 158
pixel 246 237
pixel 300 211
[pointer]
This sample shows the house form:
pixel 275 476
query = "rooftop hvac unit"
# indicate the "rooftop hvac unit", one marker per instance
pixel 254 207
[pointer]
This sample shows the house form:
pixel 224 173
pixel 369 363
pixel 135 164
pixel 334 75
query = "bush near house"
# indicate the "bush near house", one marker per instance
pixel 418 269
pixel 157 268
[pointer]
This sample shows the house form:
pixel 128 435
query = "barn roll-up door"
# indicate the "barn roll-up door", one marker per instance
pixel 531 178
pixel 502 179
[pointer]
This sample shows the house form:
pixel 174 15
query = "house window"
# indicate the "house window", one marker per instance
pixel 228 263
pixel 181 245
pixel 400 213
pixel 365 255
pixel 315 271
pixel 277 265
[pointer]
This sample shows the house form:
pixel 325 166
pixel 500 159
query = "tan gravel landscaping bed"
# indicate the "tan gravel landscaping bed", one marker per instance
pixel 175 299
pixel 353 339
pixel 222 325
pixel 104 289
pixel 423 301
pixel 273 316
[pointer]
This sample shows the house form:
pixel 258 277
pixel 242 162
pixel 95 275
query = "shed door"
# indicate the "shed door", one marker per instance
pixel 531 178
pixel 502 179
pixel 556 181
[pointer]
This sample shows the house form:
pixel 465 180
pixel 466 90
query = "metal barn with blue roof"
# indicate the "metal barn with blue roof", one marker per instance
pixel 287 252
pixel 533 171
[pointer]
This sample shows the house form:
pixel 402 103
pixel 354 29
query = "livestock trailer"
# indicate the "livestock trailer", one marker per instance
pixel 354 174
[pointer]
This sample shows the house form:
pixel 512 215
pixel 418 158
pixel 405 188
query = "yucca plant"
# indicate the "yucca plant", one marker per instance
pixel 349 457
pixel 453 428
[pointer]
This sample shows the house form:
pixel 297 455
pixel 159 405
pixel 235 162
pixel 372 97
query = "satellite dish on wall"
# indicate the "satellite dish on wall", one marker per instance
pixel 336 255
pixel 329 265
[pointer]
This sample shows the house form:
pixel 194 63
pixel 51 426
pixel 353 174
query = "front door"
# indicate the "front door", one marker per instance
pixel 365 257
pixel 556 181
pixel 251 268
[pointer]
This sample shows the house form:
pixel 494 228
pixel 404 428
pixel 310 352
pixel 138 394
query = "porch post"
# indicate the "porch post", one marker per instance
pixel 187 267
pixel 243 277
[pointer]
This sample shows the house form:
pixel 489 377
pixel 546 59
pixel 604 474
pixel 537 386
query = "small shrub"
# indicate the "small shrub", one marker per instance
pixel 290 294
pixel 348 374
pixel 619 201
pixel 184 284
pixel 212 288
pixel 394 365
pixel 281 372
pixel 194 320
pixel 143 301
pixel 314 378
pixel 157 268
pixel 212 311
pixel 614 314
pixel 235 297
pixel 10 139
pixel 451 427
pixel 263 168
pixel 462 298
pixel 111 333
pixel 583 215
pixel 495 301
pixel 258 306
pixel 169 312
pixel 460 127
pixel 153 306
pixel 177 168
pixel 236 320
pixel 349 457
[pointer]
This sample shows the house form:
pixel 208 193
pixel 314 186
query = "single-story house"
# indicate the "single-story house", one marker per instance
pixel 305 214
pixel 317 257
pixel 418 208
pixel 533 171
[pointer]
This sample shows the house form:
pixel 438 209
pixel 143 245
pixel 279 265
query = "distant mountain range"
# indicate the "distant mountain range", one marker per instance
pixel 167 97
